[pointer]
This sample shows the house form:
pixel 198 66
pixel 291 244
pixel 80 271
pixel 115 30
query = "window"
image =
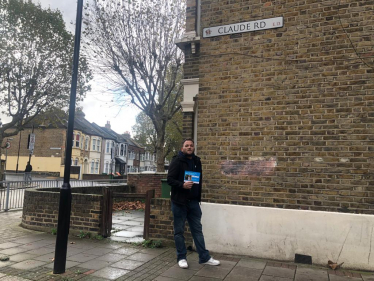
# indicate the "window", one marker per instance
pixel 106 168
pixel 108 147
pixel 76 162
pixel 73 140
pixel 93 144
pixel 98 145
pixel 137 156
pixel 77 139
pixel 92 167
pixel 96 167
pixel 86 144
pixel 141 157
pixel 122 149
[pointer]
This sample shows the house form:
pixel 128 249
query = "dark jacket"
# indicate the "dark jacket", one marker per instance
pixel 175 178
pixel 28 168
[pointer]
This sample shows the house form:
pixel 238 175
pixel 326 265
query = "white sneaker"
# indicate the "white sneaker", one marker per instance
pixel 183 264
pixel 212 261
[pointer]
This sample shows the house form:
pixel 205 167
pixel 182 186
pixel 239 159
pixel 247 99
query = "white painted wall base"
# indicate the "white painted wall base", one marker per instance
pixel 280 234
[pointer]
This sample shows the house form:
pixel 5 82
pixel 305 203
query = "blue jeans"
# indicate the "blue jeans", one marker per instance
pixel 192 213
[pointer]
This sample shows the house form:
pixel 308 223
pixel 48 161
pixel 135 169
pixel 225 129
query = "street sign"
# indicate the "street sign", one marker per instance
pixel 7 145
pixel 32 142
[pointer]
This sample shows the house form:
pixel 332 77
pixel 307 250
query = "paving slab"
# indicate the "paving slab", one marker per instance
pixel 179 273
pixel 200 278
pixel 255 264
pixel 95 264
pixel 140 257
pixel 312 274
pixel 46 258
pixel 9 245
pixel 98 251
pixel 274 278
pixel 111 257
pixel 27 264
pixel 164 278
pixel 12 251
pixel 126 251
pixel 41 251
pixel 69 264
pixel 81 257
pixel 220 271
pixel 127 234
pixel 279 272
pixel 6 263
pixel 128 264
pixel 110 273
pixel 244 273
pixel 13 278
pixel 21 257
pixel 342 278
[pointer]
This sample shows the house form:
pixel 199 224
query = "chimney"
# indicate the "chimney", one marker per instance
pixel 107 125
pixel 127 134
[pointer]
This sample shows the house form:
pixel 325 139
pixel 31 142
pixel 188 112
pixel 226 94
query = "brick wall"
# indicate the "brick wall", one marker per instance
pixel 286 115
pixel 85 211
pixel 188 119
pixel 161 222
pixel 45 139
pixel 191 15
pixel 191 62
pixel 145 182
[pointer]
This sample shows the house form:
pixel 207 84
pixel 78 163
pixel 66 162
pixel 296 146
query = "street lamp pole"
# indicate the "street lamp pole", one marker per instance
pixel 65 192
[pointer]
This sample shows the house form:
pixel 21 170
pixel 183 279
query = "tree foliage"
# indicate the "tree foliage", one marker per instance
pixel 36 53
pixel 145 134
pixel 132 44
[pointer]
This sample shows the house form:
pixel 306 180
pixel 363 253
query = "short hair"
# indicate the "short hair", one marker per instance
pixel 188 139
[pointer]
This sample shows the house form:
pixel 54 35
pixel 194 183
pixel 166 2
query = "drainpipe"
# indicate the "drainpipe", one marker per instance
pixel 198 15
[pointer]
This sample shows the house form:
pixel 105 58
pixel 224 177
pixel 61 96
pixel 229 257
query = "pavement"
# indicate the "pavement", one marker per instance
pixel 30 258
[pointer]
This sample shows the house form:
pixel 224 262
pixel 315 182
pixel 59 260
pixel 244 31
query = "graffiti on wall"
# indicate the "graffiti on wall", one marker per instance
pixel 255 166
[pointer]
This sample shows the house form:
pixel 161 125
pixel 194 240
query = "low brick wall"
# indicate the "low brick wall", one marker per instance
pixel 86 208
pixel 161 222
pixel 145 182
pixel 99 177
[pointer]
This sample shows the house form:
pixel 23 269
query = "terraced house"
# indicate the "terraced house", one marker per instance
pixel 95 150
pixel 279 97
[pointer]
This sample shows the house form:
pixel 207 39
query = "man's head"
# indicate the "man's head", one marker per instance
pixel 188 147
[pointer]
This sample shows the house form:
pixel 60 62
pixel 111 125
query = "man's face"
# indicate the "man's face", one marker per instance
pixel 188 148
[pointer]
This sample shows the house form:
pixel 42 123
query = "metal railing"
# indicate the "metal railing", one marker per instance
pixel 12 192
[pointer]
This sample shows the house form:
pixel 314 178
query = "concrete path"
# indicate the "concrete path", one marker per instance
pixel 30 258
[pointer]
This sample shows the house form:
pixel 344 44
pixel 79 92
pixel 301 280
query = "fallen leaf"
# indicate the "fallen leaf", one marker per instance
pixel 334 265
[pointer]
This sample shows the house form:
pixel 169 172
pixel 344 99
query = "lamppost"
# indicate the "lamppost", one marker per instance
pixel 63 223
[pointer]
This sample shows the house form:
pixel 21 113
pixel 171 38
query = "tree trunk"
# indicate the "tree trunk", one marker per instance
pixel 160 143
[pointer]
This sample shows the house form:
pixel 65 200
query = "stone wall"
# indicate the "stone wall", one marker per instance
pixel 285 115
pixel 145 182
pixel 161 222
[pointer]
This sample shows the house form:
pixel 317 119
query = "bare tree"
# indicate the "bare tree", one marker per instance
pixel 131 43
pixel 36 53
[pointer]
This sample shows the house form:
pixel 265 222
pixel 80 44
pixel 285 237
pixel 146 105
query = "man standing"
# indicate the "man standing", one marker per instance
pixel 185 199
pixel 28 173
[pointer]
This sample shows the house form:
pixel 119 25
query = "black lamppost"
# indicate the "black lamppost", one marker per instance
pixel 65 193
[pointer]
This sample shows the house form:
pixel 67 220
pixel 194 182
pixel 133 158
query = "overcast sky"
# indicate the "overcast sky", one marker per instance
pixel 97 106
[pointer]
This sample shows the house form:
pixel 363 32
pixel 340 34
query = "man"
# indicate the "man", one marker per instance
pixel 28 172
pixel 185 199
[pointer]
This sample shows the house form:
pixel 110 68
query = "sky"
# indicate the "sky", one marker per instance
pixel 97 105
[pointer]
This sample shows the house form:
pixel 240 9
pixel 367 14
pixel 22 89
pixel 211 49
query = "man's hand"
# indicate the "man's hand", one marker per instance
pixel 188 185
